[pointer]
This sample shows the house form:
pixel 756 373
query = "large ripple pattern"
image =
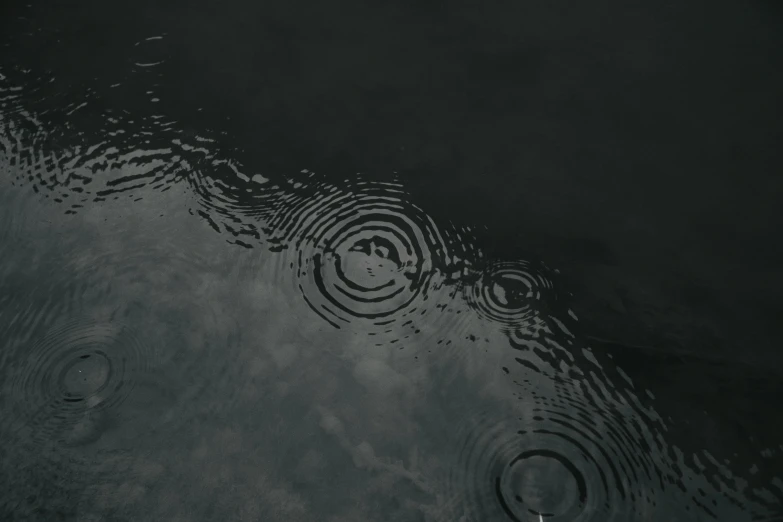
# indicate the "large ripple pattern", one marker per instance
pixel 555 471
pixel 365 254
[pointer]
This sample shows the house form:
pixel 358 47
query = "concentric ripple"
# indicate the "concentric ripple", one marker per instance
pixel 365 254
pixel 510 293
pixel 78 368
pixel 556 469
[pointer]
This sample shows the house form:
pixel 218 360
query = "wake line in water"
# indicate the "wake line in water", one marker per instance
pixel 362 256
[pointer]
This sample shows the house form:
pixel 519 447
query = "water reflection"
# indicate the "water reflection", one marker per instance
pixel 468 394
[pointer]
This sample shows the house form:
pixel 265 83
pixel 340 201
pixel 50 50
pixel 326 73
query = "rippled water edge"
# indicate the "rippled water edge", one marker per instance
pixel 369 263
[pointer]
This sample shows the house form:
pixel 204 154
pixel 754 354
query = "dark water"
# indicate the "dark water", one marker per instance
pixel 400 262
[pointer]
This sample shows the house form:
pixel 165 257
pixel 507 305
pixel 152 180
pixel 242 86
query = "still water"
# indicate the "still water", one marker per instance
pixel 194 329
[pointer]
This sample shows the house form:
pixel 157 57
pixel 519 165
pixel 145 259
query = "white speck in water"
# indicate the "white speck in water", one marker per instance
pixel 149 39
pixel 77 108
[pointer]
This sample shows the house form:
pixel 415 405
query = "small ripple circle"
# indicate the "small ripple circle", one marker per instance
pixel 74 369
pixel 510 293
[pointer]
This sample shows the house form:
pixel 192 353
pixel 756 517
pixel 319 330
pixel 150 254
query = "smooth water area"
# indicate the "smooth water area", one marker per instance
pixel 207 314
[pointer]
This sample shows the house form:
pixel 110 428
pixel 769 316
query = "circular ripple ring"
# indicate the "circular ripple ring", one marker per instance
pixel 79 367
pixel 366 255
pixel 510 293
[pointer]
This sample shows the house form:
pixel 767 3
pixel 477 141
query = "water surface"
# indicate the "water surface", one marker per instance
pixel 282 313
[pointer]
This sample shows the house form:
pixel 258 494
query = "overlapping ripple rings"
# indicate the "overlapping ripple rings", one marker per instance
pixel 136 154
pixel 364 254
pixel 231 200
pixel 64 165
pixel 77 368
pixel 510 293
